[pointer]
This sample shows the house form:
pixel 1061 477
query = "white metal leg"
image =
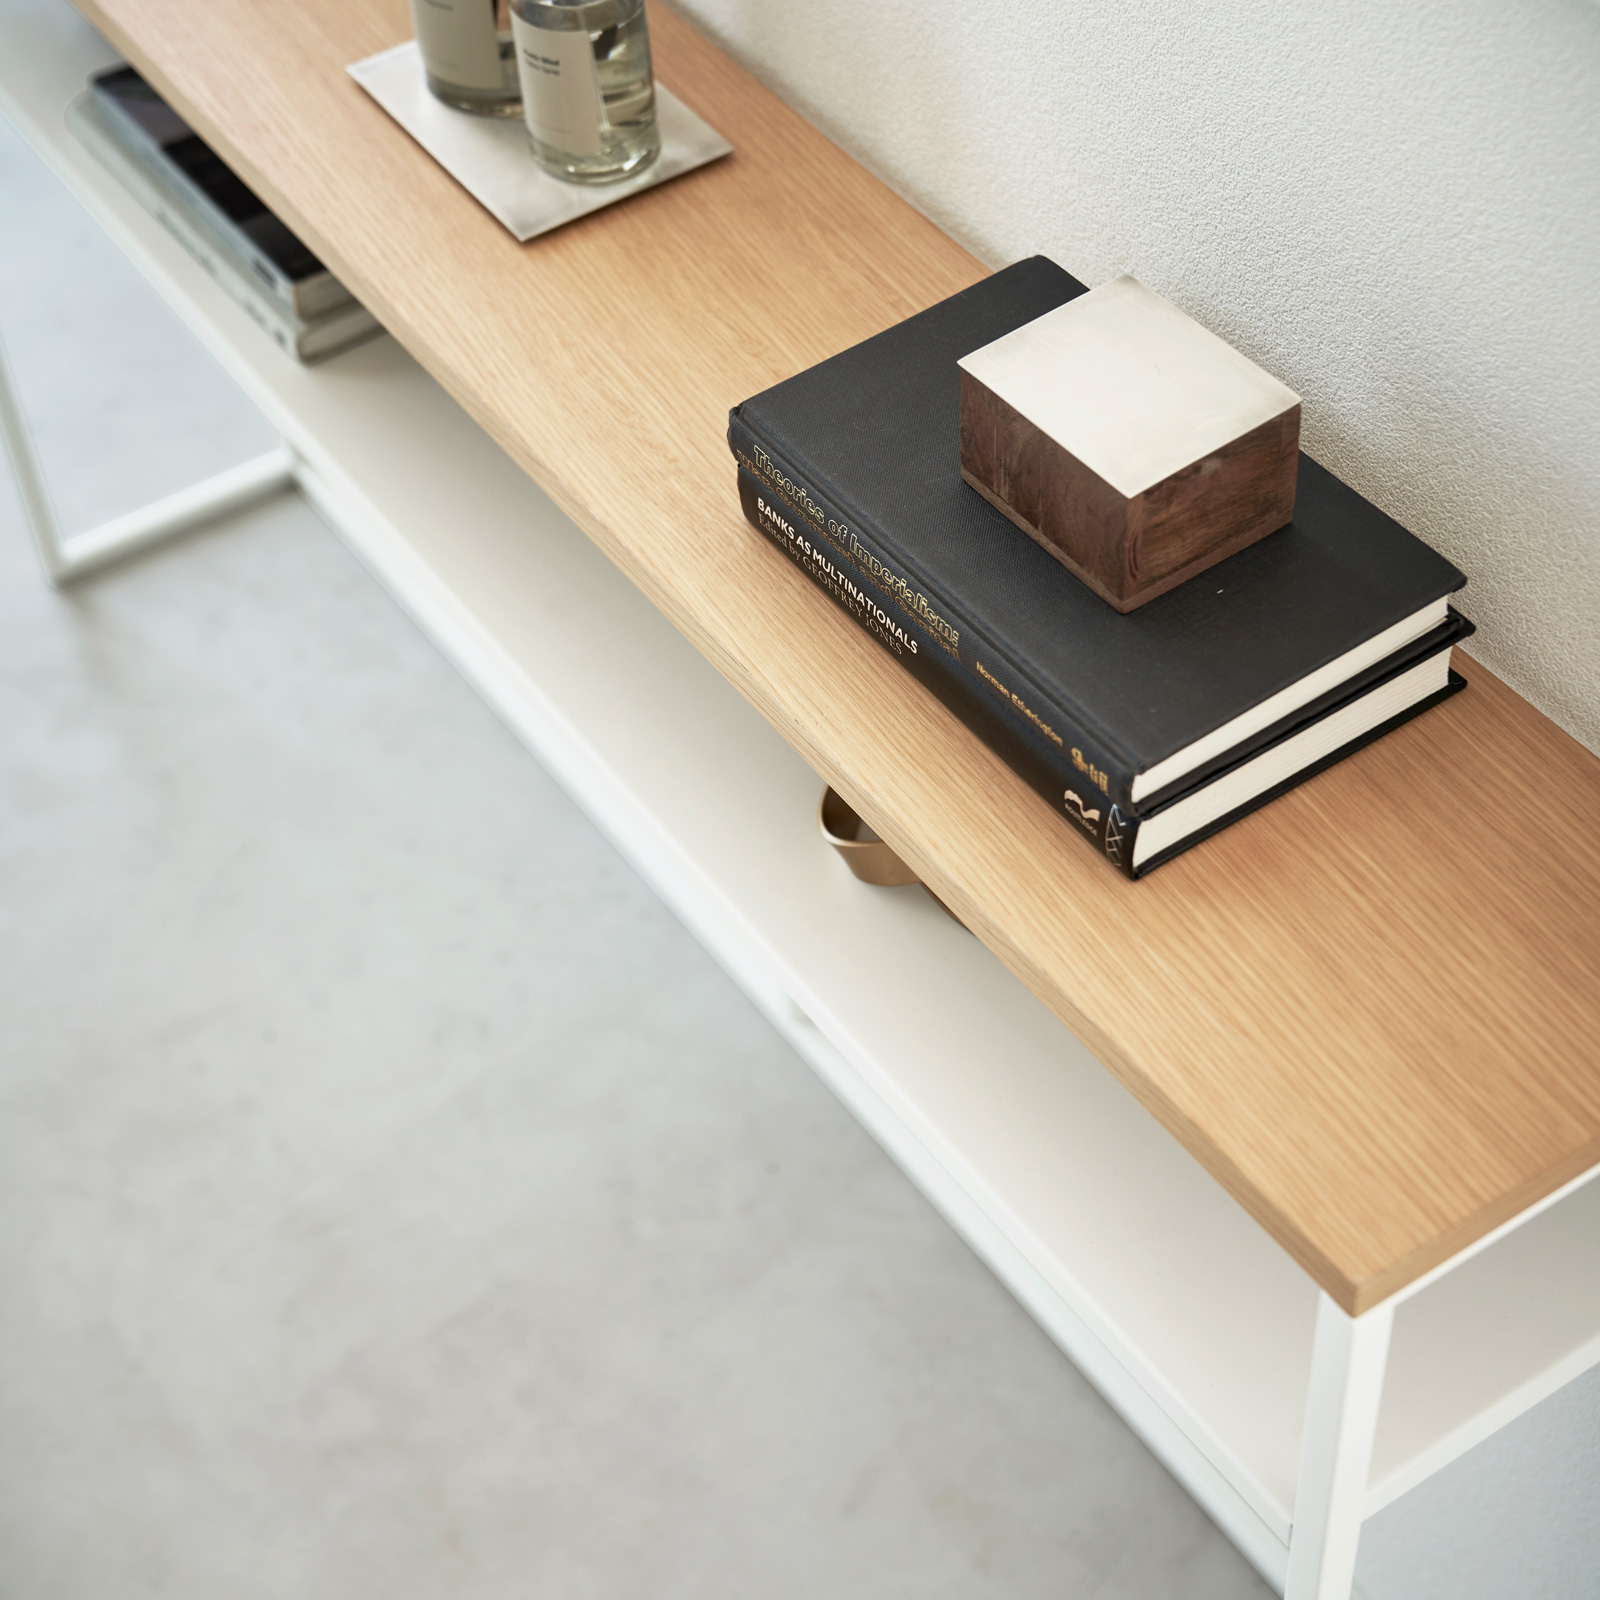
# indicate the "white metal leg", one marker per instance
pixel 67 560
pixel 1347 1364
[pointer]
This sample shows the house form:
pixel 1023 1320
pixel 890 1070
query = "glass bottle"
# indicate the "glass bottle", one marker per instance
pixel 468 54
pixel 587 92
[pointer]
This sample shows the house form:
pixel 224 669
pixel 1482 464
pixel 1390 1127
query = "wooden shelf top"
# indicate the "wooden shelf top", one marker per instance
pixel 1372 1009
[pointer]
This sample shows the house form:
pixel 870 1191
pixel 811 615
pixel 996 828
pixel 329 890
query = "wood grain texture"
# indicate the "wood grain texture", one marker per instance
pixel 1128 548
pixel 1370 1009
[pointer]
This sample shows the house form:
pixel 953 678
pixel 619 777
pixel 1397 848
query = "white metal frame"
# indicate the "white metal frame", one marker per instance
pixel 66 560
pixel 1346 1389
pixel 1334 1493
pixel 1214 1347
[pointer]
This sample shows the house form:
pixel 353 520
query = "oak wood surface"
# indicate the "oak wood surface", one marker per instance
pixel 1370 1009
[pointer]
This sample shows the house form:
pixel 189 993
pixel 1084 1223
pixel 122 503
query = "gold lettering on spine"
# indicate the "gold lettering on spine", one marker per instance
pixel 1019 704
pixel 840 535
pixel 846 544
pixel 1093 773
pixel 839 585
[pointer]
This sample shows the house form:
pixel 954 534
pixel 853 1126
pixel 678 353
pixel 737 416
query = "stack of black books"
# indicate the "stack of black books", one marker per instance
pixel 187 187
pixel 1149 731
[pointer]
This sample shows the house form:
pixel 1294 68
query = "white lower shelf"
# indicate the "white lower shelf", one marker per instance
pixel 1488 1340
pixel 1186 1314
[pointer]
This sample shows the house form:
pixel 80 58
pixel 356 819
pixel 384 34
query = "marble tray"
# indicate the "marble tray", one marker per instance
pixel 489 156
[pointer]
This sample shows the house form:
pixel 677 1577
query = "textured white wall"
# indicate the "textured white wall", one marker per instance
pixel 1518 1518
pixel 1393 205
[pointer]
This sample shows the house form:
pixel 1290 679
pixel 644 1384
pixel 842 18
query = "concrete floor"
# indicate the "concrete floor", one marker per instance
pixel 394 1199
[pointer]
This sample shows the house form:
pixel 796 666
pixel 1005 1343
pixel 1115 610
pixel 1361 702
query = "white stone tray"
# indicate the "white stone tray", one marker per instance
pixel 490 158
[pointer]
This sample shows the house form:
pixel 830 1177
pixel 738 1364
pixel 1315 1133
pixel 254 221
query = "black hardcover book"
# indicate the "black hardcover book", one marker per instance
pixel 1150 730
pixel 214 197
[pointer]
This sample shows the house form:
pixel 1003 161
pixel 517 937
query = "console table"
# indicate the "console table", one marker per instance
pixel 1301 1183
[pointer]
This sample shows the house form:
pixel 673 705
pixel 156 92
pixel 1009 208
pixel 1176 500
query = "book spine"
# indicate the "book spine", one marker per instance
pixel 89 126
pixel 1092 760
pixel 266 312
pixel 200 211
pixel 308 342
pixel 899 627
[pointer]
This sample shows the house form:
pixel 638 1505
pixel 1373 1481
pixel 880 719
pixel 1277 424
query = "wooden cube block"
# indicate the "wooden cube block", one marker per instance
pixel 1134 445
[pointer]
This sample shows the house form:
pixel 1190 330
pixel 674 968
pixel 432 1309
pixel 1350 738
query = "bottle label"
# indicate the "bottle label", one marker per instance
pixel 560 90
pixel 458 42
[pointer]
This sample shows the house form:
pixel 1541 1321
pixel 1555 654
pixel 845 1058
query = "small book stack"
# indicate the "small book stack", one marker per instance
pixel 181 182
pixel 1088 529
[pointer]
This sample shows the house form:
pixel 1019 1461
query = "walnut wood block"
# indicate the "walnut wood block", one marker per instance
pixel 1134 445
pixel 1370 1009
pixel 1128 550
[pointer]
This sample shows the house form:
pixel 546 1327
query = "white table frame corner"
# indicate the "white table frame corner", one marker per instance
pixel 67 560
pixel 1348 1360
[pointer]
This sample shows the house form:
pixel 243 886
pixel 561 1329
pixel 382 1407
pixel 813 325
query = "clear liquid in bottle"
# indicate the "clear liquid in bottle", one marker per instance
pixel 587 90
